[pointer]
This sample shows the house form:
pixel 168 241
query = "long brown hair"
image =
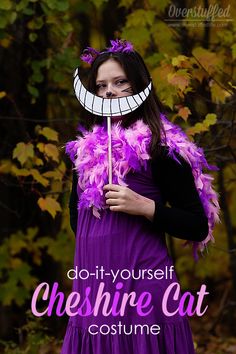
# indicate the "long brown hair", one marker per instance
pixel 139 77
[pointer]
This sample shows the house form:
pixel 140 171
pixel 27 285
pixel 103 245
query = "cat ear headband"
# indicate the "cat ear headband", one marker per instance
pixel 108 107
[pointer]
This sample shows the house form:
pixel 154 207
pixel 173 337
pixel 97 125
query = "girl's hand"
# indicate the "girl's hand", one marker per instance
pixel 121 198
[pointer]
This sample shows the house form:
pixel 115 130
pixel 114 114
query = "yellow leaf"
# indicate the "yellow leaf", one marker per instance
pixel 52 152
pixel 56 175
pixel 49 133
pixel 23 152
pixel 50 205
pixel 184 112
pixel 209 60
pixel 218 94
pixel 19 171
pixel 38 177
pixel 126 3
pixel 159 5
pixel 56 186
pixel 230 84
pixel 166 92
pixel 5 5
pixel 180 79
pixel 41 147
pixel 199 74
pixel 162 36
pixel 179 60
pixel 5 166
pixel 5 42
pixel 15 262
pixel 233 47
pixel 62 167
pixel 38 162
pixel 2 94
pixel 16 244
pixel 209 120
pixel 140 18
pixel 168 99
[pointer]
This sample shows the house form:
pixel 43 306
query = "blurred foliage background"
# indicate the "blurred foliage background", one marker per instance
pixel 192 63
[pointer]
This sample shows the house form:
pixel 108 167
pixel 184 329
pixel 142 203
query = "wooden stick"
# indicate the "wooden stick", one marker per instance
pixel 109 150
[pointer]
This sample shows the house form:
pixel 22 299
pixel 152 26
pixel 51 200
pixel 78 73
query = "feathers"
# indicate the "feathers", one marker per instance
pixel 130 152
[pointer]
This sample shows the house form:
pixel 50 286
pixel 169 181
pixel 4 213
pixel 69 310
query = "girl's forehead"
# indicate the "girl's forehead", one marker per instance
pixel 108 69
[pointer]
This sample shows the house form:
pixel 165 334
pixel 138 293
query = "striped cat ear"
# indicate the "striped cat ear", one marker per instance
pixel 105 106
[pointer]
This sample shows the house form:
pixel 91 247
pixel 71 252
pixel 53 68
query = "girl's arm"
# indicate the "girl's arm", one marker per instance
pixel 185 217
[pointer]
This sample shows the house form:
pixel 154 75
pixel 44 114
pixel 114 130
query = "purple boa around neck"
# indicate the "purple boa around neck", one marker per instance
pixel 130 152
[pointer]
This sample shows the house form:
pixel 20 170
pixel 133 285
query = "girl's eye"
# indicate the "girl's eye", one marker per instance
pixel 121 82
pixel 99 86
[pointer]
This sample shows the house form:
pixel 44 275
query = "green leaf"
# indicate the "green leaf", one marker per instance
pixel 3 21
pixel 154 59
pixel 33 36
pixel 54 4
pixel 13 17
pixel 163 38
pixel 33 90
pixel 5 4
pixel 126 3
pixel 140 18
pixel 159 5
pixel 29 12
pixel 98 3
pixel 62 5
pixel 139 36
pixel 233 47
pixel 16 244
pixel 61 248
pixel 22 5
pixel 58 77
pixel 36 24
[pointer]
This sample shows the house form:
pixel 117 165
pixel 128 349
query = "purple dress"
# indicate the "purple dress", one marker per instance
pixel 120 241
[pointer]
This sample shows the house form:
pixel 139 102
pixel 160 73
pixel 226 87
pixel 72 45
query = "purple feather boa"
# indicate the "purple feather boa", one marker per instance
pixel 130 152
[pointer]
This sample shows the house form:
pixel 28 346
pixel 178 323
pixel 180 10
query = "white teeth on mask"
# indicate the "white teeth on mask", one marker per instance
pixel 96 104
pixel 89 100
pixel 146 91
pixel 115 106
pixel 106 106
pixel 132 103
pixel 76 72
pixel 82 94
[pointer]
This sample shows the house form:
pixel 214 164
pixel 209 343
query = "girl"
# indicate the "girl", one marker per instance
pixel 120 227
